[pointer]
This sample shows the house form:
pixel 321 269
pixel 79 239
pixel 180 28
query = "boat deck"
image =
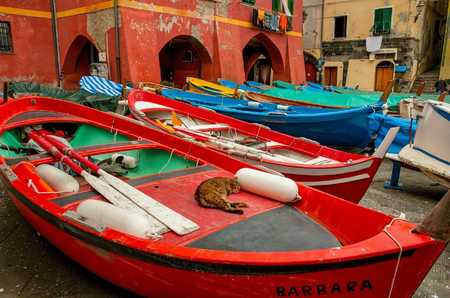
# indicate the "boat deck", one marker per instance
pixel 280 229
pixel 266 225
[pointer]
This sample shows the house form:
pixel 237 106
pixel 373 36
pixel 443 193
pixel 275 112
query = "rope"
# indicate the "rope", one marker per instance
pixel 168 161
pixel 114 131
pixel 31 184
pixel 399 254
pixel 257 133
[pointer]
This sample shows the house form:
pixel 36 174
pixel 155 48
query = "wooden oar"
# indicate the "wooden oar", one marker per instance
pixel 175 221
pixel 109 193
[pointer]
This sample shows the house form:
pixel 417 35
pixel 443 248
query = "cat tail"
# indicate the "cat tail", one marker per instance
pixel 235 211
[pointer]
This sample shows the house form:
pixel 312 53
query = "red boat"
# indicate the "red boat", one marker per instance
pixel 320 245
pixel 342 174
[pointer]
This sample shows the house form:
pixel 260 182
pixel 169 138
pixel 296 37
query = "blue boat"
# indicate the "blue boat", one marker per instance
pixel 343 127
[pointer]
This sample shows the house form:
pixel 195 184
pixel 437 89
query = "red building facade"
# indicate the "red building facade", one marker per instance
pixel 154 41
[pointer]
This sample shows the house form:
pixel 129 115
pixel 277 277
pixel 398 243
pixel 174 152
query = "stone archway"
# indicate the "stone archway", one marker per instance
pixel 181 57
pixel 383 74
pixel 79 58
pixel 262 60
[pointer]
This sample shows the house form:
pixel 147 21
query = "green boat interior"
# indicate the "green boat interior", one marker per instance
pixel 153 160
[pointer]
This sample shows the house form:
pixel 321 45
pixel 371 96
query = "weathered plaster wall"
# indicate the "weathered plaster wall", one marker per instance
pixel 32 56
pixel 360 16
pixel 312 25
pixel 145 28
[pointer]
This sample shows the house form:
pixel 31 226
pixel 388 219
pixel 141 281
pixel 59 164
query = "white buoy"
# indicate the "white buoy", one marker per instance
pixel 58 180
pixel 268 185
pixel 110 216
pixel 126 161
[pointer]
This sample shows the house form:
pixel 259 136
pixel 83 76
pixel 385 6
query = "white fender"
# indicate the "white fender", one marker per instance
pixel 110 216
pixel 58 180
pixel 268 185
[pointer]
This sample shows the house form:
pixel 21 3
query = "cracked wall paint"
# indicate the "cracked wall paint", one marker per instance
pixel 166 24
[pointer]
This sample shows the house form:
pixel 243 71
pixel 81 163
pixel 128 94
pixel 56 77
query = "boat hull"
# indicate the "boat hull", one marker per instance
pixel 151 276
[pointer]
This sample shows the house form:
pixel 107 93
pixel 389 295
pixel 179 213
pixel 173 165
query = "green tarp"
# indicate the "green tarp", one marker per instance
pixel 96 101
pixel 341 96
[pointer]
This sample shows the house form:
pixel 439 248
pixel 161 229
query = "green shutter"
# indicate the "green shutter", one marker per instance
pixel 276 5
pixel 250 2
pixel 378 22
pixel 291 6
pixel 387 17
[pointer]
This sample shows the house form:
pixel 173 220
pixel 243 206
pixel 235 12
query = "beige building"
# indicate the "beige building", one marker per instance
pixel 312 36
pixel 445 63
pixel 367 43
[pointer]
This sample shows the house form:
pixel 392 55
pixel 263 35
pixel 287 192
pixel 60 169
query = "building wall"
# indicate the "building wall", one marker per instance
pixel 220 31
pixel 312 25
pixel 445 64
pixel 411 42
pixel 363 68
pixel 28 62
pixel 360 16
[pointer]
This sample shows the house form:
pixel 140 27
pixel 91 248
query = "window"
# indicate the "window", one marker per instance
pixel 249 2
pixel 382 21
pixel 277 5
pixel 5 38
pixel 340 26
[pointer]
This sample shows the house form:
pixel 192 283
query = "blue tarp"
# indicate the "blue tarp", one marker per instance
pixel 380 124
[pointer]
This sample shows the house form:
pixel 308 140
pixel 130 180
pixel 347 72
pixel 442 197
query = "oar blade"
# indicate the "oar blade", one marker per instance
pixel 119 200
pixel 172 219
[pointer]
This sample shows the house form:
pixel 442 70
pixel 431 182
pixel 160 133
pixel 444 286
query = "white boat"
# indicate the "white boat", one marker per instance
pixel 430 151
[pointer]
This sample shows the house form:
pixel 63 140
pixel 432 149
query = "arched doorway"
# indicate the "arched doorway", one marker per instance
pixel 262 60
pixel 81 55
pixel 310 68
pixel 183 56
pixel 384 74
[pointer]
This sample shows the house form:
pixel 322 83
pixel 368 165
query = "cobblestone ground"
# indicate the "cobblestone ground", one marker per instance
pixel 30 266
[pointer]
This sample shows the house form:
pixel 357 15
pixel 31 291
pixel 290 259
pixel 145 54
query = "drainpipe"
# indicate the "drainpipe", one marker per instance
pixel 117 41
pixel 321 39
pixel 56 42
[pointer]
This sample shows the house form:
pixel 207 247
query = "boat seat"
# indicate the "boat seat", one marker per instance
pixel 281 229
pixel 208 126
pixel 320 161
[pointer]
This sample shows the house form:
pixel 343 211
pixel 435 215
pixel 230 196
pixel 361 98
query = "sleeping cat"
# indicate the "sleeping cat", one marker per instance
pixel 212 193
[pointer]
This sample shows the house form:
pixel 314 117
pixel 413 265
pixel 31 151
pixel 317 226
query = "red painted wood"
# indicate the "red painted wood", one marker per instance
pixel 359 229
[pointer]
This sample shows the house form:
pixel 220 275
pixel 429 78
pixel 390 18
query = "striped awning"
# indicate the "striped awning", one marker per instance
pixel 95 85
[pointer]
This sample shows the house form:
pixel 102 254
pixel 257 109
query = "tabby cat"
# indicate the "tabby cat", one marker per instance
pixel 213 193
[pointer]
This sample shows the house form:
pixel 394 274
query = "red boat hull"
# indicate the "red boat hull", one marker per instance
pixel 362 261
pixel 365 278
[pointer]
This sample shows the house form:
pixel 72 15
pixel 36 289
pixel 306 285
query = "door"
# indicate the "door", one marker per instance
pixel 311 72
pixel 384 74
pixel 331 76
